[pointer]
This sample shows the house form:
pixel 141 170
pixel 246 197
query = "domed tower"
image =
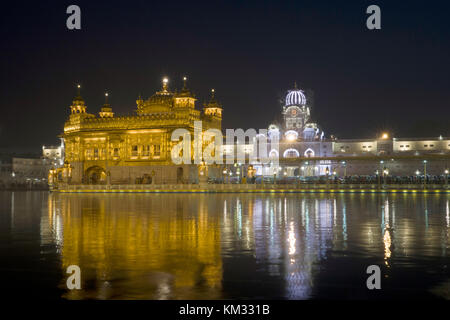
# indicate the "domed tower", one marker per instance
pixel 296 113
pixel 106 110
pixel 184 99
pixel 213 111
pixel 78 105
pixel 160 102
pixel 78 113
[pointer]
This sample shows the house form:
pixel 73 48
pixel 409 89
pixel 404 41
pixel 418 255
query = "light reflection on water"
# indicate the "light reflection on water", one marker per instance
pixel 199 246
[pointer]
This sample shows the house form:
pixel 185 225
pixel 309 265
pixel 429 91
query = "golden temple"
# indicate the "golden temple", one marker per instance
pixel 110 149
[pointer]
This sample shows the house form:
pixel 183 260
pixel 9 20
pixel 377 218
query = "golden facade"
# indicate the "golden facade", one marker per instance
pixel 133 149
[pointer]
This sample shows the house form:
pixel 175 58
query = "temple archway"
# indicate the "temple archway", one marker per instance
pixel 95 175
pixel 309 153
pixel 291 153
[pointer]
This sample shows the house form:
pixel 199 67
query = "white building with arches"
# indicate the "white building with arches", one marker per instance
pixel 298 137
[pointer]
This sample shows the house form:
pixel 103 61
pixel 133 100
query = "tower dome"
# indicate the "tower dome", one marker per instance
pixel 295 97
pixel 160 102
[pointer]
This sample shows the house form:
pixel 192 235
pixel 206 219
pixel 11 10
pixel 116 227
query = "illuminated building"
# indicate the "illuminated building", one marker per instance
pixel 111 149
pixel 6 174
pixel 299 137
pixel 106 148
pixel 54 154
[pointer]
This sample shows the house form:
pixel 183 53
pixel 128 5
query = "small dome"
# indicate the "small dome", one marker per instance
pixel 158 103
pixel 161 99
pixel 295 98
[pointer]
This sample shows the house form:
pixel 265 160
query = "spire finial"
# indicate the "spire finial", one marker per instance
pixel 212 94
pixel 106 97
pixel 295 85
pixel 165 82
pixel 184 82
pixel 78 96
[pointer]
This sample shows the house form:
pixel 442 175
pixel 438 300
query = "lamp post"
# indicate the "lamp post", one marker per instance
pixel 274 175
pixel 345 168
pixel 424 174
pixel 379 173
pixel 302 174
pixel 238 173
pixel 385 174
pixel 446 178
pixel 224 172
pixel 306 167
pixel 241 172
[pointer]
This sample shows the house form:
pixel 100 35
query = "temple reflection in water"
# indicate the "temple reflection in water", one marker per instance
pixel 153 247
pixel 137 246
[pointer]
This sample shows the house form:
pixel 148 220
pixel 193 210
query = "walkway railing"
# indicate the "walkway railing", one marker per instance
pixel 218 188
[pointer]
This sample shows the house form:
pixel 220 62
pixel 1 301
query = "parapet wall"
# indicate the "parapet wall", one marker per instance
pixel 254 188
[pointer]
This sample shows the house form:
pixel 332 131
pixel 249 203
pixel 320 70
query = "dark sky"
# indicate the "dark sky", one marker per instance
pixel 251 52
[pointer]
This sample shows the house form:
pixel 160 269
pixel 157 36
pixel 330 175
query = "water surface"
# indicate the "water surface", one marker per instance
pixel 224 246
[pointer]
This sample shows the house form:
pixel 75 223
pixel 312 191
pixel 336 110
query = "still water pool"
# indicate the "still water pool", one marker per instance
pixel 224 246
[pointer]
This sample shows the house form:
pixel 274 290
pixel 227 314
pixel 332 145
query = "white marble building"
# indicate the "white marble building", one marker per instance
pixel 299 137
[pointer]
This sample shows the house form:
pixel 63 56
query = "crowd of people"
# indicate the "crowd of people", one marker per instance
pixel 354 179
pixel 413 179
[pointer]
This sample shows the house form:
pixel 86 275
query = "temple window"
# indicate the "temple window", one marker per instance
pixel 95 153
pixel 134 151
pixel 156 150
pixel 88 154
pixel 146 151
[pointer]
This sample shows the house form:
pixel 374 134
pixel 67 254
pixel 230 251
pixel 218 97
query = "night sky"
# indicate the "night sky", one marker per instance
pixel 251 52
